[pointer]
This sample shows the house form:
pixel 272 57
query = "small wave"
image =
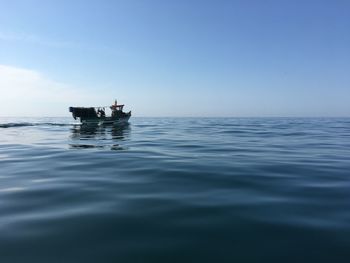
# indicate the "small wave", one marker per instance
pixel 27 124
pixel 12 125
pixel 53 124
pixel 115 147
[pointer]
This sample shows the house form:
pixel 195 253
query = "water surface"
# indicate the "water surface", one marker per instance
pixel 175 190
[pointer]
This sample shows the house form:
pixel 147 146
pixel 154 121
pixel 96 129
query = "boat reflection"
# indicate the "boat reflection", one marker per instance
pixel 99 136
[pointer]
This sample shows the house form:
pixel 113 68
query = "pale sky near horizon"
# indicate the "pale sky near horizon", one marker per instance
pixel 176 58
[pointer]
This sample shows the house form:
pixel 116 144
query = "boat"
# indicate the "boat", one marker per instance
pixel 97 115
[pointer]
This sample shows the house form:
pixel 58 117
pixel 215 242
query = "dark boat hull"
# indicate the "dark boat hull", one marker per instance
pixel 107 120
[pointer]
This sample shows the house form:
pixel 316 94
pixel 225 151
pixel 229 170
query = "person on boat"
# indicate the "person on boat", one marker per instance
pixel 101 113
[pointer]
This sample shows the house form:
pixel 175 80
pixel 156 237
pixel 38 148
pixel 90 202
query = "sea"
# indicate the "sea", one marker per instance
pixel 175 190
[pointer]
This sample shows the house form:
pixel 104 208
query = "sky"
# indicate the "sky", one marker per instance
pixel 234 58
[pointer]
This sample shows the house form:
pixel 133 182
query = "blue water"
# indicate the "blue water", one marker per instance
pixel 175 190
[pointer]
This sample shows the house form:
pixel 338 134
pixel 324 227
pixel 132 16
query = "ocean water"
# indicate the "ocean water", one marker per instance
pixel 175 190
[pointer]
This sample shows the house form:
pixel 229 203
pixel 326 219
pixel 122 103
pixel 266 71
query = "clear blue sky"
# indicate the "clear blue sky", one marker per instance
pixel 177 58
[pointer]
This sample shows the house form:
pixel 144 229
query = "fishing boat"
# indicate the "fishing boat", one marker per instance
pixel 97 115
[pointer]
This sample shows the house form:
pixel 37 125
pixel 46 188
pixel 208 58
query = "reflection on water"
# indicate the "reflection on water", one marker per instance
pixel 99 136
